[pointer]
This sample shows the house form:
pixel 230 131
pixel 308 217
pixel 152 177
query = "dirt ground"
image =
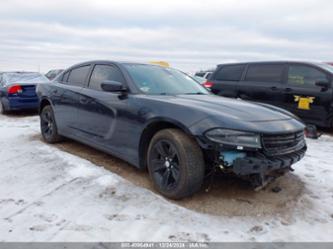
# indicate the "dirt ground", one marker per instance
pixel 228 196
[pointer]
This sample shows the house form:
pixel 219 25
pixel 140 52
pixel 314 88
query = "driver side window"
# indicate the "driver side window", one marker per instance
pixel 305 76
pixel 102 73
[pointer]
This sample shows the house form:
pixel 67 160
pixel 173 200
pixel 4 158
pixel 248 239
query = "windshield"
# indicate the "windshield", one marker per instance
pixel 152 79
pixel 325 66
pixel 24 78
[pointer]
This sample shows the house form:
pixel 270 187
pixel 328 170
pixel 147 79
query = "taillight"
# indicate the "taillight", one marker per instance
pixel 15 89
pixel 208 84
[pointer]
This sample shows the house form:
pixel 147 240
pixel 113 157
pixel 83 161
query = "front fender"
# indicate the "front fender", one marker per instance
pixel 169 120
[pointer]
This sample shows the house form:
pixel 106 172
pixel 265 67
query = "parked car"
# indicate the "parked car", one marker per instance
pixel 161 119
pixel 201 80
pixel 53 73
pixel 302 88
pixel 18 90
pixel 204 74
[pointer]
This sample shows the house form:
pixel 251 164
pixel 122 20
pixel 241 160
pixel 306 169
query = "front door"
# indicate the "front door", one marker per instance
pixel 303 97
pixel 99 110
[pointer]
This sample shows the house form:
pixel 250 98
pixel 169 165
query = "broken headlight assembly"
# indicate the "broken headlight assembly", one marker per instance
pixel 234 138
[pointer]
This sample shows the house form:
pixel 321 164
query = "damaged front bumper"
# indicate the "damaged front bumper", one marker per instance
pixel 275 155
pixel 256 167
pixel 264 165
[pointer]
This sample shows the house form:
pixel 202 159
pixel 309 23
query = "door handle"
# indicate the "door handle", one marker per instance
pixel 274 88
pixel 288 89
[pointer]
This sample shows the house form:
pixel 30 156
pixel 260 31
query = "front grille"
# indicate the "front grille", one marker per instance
pixel 282 144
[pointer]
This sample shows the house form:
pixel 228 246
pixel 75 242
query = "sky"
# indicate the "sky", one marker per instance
pixel 38 35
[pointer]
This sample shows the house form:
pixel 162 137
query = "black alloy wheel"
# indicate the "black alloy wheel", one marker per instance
pixel 175 163
pixel 48 125
pixel 165 164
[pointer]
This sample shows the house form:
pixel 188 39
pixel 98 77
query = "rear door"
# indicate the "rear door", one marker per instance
pixel 263 82
pixel 66 97
pixel 226 78
pixel 303 97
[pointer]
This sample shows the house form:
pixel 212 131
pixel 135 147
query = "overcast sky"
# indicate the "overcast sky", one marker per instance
pixel 191 35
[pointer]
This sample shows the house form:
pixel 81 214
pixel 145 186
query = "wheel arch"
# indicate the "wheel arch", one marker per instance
pixel 44 102
pixel 150 130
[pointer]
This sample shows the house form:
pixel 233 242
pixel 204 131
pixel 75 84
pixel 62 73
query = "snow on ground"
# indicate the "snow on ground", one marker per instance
pixel 50 195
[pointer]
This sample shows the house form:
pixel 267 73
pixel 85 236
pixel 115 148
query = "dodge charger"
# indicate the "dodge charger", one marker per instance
pixel 161 119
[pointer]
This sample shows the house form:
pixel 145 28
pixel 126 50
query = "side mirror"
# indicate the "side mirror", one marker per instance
pixel 323 84
pixel 112 86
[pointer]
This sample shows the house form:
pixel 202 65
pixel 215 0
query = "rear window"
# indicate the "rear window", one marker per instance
pixel 78 75
pixel 230 73
pixel 264 73
pixel 9 78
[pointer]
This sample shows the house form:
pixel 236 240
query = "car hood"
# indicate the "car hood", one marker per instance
pixel 202 112
pixel 212 105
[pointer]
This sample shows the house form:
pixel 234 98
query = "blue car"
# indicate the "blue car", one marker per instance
pixel 18 90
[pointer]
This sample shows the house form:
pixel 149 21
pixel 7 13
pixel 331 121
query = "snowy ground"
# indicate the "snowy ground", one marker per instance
pixel 47 194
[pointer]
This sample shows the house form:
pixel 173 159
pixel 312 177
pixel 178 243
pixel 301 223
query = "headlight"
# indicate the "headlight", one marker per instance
pixel 232 137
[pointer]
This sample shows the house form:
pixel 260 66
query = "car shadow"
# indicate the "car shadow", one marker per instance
pixel 326 131
pixel 226 195
pixel 21 114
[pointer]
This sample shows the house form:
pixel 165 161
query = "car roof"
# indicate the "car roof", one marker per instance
pixel 271 62
pixel 107 62
pixel 111 61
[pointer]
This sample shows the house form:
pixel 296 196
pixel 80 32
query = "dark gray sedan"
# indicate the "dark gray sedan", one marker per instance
pixel 161 119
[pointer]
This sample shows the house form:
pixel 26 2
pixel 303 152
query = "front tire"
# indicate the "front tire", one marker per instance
pixel 48 125
pixel 175 163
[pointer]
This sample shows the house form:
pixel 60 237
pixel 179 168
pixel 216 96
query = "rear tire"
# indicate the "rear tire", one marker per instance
pixel 48 126
pixel 175 163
